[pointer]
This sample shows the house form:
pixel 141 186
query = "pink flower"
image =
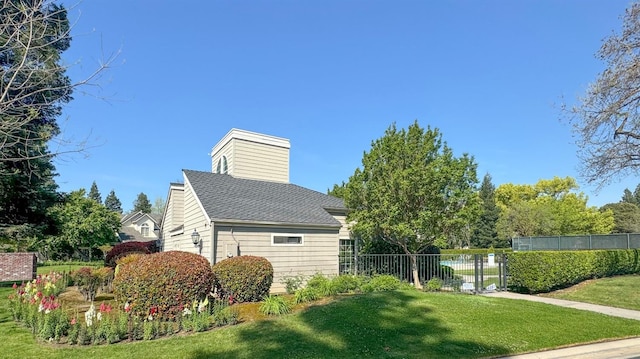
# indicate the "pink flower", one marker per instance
pixel 105 308
pixel 15 286
pixel 127 307
pixel 73 321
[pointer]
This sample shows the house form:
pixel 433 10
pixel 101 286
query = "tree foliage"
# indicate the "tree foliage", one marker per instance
pixel 33 82
pixel 606 119
pixel 412 192
pixel 626 217
pixel 142 203
pixel 84 223
pixel 94 193
pixel 113 203
pixel 485 233
pixel 158 206
pixel 548 208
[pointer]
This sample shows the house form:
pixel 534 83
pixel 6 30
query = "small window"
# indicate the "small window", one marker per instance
pixel 144 229
pixel 222 166
pixel 286 239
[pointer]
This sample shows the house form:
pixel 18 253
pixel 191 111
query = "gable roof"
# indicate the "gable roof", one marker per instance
pixel 226 198
pixel 134 217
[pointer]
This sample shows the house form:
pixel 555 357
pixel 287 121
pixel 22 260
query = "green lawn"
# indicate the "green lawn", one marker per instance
pixel 621 292
pixel 403 324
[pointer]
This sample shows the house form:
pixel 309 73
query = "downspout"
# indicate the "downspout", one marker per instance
pixel 237 243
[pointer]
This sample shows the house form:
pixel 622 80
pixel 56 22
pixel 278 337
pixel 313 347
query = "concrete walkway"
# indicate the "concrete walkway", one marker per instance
pixel 619 349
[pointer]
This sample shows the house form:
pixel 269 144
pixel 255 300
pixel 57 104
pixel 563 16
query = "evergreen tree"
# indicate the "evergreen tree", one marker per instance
pixel 636 195
pixel 628 197
pixel 485 233
pixel 34 88
pixel 113 203
pixel 142 204
pixel 94 194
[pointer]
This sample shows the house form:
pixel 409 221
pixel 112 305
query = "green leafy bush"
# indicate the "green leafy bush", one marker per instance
pixel 347 283
pixel 544 271
pixel 323 286
pixel 165 281
pixel 307 294
pixel 245 278
pixel 434 284
pixel 292 283
pixel 381 283
pixel 275 305
pixel 123 249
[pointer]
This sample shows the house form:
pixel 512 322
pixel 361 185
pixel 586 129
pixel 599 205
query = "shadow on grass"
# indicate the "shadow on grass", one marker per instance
pixel 379 325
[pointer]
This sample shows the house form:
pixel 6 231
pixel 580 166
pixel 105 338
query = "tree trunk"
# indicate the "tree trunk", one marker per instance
pixel 414 270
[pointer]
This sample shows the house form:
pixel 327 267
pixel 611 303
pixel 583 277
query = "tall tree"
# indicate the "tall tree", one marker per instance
pixel 628 197
pixel 85 223
pixel 548 208
pixel 113 203
pixel 142 203
pixel 485 232
pixel 626 217
pixel 412 192
pixel 607 119
pixel 636 195
pixel 94 194
pixel 34 85
pixel 158 206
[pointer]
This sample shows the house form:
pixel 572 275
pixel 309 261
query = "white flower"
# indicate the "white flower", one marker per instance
pixel 186 311
pixel 90 314
pixel 203 305
pixel 99 316
pixel 40 308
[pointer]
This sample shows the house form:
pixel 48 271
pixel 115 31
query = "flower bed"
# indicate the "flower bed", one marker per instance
pixel 36 304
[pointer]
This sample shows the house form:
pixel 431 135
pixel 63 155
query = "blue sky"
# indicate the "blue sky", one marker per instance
pixel 330 76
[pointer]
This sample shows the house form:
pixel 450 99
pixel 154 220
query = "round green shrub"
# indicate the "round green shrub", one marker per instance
pixel 165 281
pixel 381 283
pixel 245 278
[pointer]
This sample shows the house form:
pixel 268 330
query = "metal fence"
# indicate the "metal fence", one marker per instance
pixel 596 241
pixel 468 272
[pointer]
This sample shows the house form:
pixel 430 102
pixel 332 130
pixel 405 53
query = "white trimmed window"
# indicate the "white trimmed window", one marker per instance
pixel 222 166
pixel 284 239
pixel 144 230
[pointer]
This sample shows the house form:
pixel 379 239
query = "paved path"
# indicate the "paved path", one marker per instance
pixel 619 349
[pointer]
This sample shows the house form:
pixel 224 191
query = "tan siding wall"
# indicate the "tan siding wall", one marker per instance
pixel 194 219
pixel 318 254
pixel 344 230
pixel 259 161
pixel 227 151
pixel 174 216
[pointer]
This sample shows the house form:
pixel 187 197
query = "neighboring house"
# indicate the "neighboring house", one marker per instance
pixel 246 206
pixel 139 226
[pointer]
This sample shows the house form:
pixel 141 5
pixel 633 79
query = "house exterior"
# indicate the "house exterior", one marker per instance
pixel 246 206
pixel 139 226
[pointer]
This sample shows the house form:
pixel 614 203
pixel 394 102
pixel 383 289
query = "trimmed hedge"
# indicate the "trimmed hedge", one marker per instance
pixel 123 249
pixel 544 271
pixel 244 278
pixel 165 281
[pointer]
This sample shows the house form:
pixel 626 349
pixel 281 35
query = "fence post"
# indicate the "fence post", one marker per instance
pixel 476 271
pixel 628 243
pixel 355 257
pixel 589 241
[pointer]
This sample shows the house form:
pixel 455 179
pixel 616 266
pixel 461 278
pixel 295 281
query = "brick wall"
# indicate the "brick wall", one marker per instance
pixel 17 266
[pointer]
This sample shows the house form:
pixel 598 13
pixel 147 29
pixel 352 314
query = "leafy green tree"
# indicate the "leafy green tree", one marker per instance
pixel 412 192
pixel 113 203
pixel 142 204
pixel 84 223
pixel 485 232
pixel 636 195
pixel 94 194
pixel 607 118
pixel 548 208
pixel 626 217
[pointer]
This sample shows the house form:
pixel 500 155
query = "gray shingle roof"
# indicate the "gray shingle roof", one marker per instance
pixel 235 199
